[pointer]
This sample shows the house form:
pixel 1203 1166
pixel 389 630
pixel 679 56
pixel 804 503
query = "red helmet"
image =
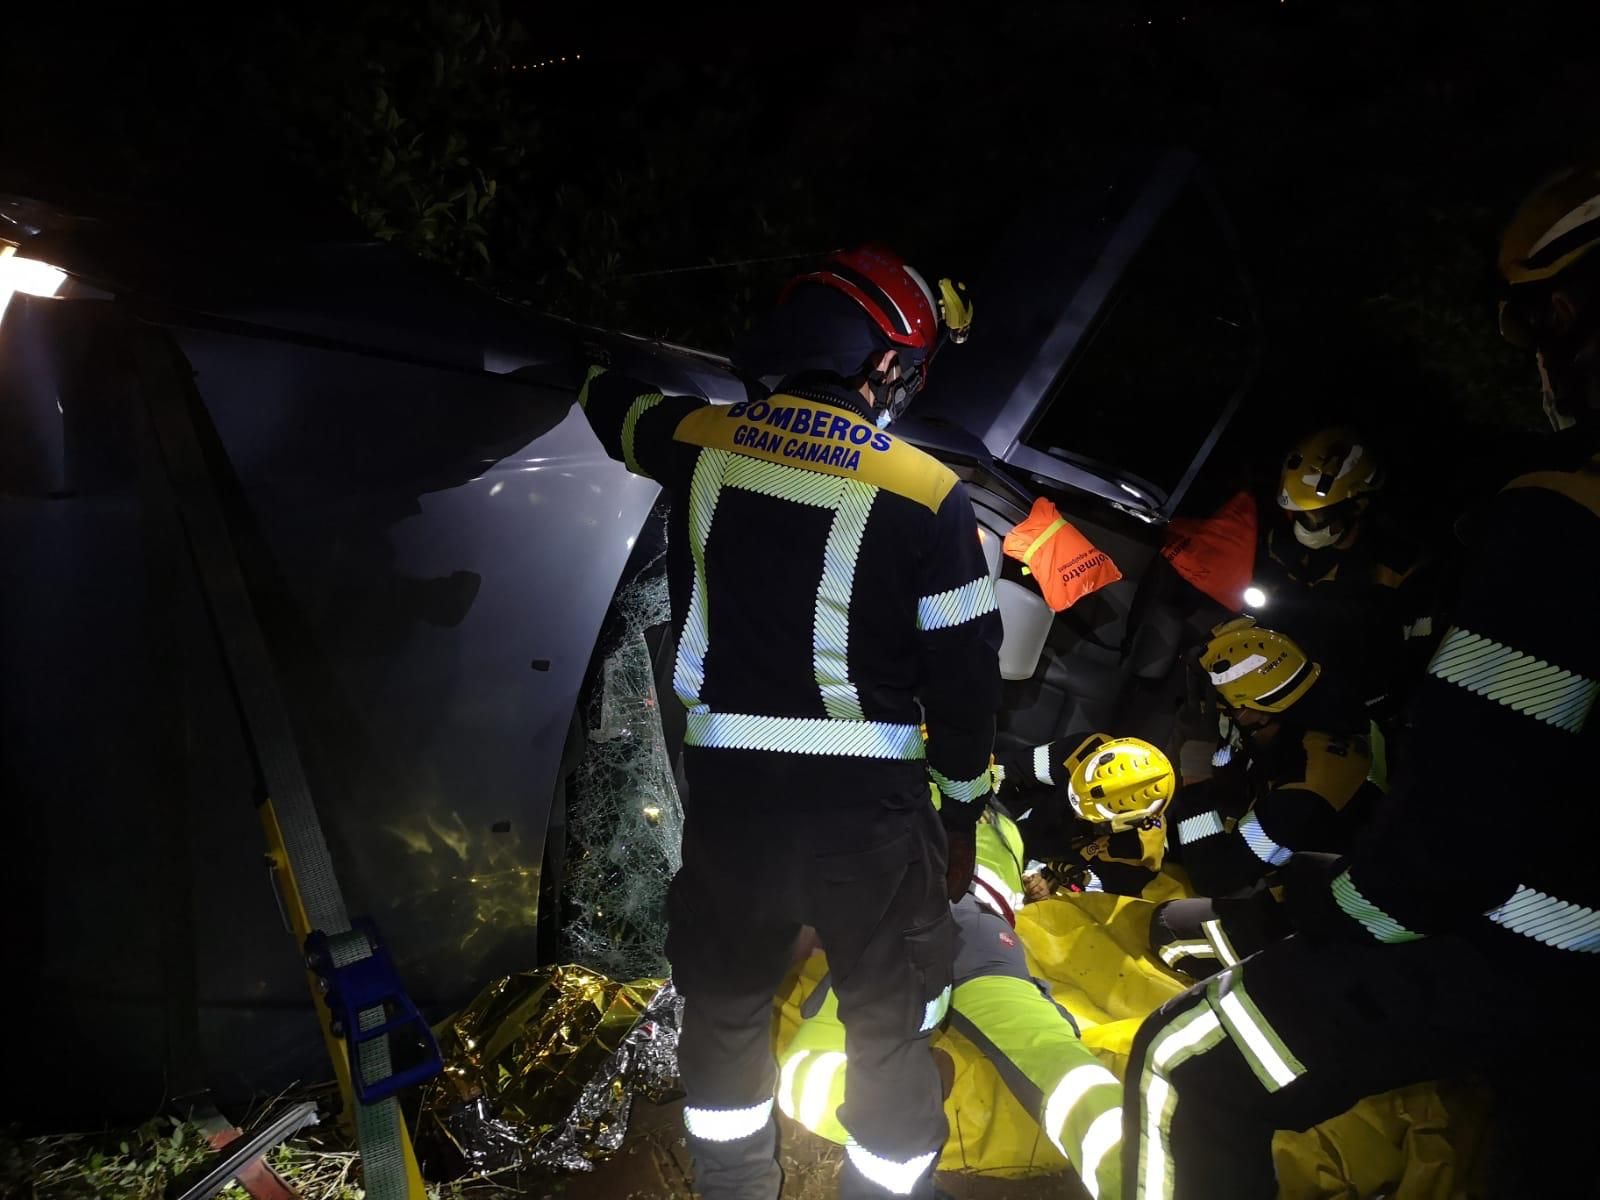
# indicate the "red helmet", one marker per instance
pixel 888 289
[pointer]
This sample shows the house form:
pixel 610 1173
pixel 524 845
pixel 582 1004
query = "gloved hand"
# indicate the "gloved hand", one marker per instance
pixel 1306 879
pixel 960 863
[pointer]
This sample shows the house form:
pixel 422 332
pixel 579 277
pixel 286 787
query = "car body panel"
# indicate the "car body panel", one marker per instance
pixel 440 580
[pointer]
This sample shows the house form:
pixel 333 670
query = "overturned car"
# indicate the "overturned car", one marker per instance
pixel 455 587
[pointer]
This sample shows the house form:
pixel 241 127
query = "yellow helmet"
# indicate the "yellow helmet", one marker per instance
pixel 1118 781
pixel 1327 481
pixel 1332 466
pixel 1257 668
pixel 1556 225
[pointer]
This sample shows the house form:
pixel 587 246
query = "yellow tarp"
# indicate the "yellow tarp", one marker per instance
pixel 1420 1143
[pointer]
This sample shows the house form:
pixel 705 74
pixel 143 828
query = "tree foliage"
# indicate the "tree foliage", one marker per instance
pixel 405 111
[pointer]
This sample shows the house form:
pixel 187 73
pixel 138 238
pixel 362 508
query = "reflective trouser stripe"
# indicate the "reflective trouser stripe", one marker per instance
pixel 1039 1057
pixel 1101 1165
pixel 1271 1060
pixel 1219 941
pixel 1187 948
pixel 803 735
pixel 811 1089
pixel 898 1177
pixel 1194 1032
pixel 935 1010
pixel 727 1124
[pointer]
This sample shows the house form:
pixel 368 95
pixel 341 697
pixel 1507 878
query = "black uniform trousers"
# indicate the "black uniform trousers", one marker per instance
pixel 1199 937
pixel 853 848
pixel 1300 1032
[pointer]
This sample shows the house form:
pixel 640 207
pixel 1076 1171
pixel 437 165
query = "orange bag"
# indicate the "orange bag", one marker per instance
pixel 1217 553
pixel 1066 564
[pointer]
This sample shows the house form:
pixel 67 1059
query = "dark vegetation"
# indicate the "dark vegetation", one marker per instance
pixel 593 161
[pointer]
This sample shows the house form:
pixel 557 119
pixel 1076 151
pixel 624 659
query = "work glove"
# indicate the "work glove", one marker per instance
pixel 1306 880
pixel 960 863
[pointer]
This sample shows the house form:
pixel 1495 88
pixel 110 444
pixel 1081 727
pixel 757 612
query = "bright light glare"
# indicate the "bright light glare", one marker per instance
pixel 28 276
pixel 1254 597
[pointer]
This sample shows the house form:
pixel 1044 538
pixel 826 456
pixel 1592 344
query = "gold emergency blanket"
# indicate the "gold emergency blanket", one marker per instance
pixel 1421 1143
pixel 542 1067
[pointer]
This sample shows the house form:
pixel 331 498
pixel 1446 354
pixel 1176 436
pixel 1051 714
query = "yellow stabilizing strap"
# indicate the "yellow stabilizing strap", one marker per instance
pixel 812 436
pixel 384 1172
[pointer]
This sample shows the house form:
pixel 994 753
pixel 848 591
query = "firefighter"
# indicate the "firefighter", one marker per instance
pixel 828 595
pixel 1340 576
pixel 1289 773
pixel 1090 808
pixel 1444 920
pixel 997 1005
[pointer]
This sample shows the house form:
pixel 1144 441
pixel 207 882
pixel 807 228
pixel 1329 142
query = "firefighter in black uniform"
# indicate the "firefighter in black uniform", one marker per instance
pixel 1113 841
pixel 829 595
pixel 1341 577
pixel 1413 950
pixel 1289 774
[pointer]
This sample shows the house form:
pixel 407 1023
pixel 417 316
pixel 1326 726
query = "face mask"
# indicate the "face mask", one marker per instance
pixel 1558 419
pixel 1318 539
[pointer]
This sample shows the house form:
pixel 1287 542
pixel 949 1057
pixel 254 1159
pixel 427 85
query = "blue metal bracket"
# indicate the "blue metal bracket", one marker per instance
pixel 362 985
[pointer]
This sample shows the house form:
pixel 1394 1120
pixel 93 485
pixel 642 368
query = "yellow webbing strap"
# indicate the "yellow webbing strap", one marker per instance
pixel 383 1173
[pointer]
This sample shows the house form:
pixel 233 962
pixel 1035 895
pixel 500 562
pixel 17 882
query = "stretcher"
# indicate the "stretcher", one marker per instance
pixel 1419 1143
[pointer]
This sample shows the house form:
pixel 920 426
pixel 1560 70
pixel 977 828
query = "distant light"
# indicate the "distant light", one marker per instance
pixel 1254 597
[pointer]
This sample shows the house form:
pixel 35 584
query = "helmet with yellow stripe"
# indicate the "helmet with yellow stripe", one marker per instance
pixel 1327 482
pixel 1119 781
pixel 1257 668
pixel 1552 298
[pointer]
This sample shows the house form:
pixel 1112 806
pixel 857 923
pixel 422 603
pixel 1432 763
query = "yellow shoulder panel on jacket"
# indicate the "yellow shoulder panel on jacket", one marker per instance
pixel 819 437
pixel 1581 486
pixel 1336 767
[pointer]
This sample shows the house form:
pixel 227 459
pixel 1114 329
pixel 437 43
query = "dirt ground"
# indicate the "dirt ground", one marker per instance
pixel 654 1165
